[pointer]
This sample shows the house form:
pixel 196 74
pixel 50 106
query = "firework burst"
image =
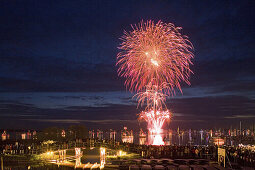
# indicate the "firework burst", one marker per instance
pixel 154 53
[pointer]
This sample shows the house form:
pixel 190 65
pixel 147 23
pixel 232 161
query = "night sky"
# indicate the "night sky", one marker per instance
pixel 57 62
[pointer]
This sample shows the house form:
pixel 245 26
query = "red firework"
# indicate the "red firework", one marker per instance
pixel 154 53
pixel 154 59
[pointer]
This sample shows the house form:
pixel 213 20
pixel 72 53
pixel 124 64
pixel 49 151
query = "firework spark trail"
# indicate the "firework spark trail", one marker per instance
pixel 153 97
pixel 155 119
pixel 154 59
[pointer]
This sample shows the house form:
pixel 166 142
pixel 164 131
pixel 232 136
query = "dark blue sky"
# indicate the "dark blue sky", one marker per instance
pixel 57 62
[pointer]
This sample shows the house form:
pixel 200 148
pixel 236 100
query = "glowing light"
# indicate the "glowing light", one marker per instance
pixel 218 141
pixel 91 166
pixel 23 136
pixel 102 157
pixel 94 166
pixel 158 140
pixel 87 165
pixel 78 152
pixel 62 155
pixel 121 153
pixel 48 142
pixel 4 135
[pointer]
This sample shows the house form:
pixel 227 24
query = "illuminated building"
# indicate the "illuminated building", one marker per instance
pixel 127 136
pixel 112 135
pixel 142 137
pixel 91 134
pixel 217 141
pixel 4 136
pixel 201 135
pixel 23 136
pixel 63 133
pixel 34 135
pixel 179 135
pixel 235 132
pixel 190 137
pixel 99 134
pixel 29 135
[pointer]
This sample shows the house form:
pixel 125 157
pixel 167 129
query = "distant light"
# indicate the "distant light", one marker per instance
pixel 49 153
pixel 121 153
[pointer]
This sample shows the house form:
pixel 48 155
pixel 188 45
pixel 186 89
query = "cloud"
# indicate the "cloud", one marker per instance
pixel 240 117
pixel 67 100
pixel 187 111
pixel 70 121
pixel 65 49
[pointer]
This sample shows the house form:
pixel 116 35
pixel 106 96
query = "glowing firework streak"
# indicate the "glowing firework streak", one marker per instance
pixel 154 59
pixel 153 97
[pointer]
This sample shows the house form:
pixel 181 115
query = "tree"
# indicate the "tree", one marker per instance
pixel 78 132
pixel 50 133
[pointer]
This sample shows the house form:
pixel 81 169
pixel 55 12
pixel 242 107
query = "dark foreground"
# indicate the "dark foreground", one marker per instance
pixel 138 164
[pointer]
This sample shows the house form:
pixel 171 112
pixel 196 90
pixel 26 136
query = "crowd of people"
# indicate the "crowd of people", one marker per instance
pixel 16 149
pixel 239 155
